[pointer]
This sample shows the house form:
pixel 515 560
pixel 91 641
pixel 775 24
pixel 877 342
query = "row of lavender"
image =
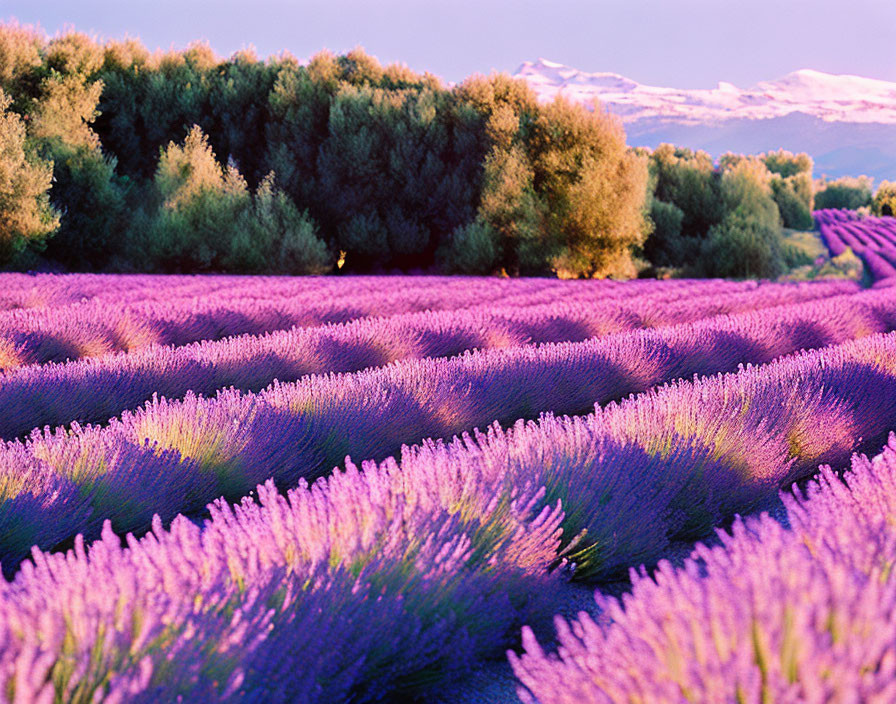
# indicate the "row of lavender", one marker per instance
pixel 805 614
pixel 95 389
pixel 33 291
pixel 872 238
pixel 174 457
pixel 408 572
pixel 100 327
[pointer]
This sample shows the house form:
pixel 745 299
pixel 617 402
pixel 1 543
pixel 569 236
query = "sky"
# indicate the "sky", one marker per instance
pixel 676 43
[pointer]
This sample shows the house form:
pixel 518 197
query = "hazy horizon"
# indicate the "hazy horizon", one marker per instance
pixel 683 44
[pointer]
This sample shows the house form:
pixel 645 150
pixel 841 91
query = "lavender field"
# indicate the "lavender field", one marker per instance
pixel 872 238
pixel 360 489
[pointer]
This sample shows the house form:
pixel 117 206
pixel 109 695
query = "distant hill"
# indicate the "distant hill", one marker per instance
pixel 846 123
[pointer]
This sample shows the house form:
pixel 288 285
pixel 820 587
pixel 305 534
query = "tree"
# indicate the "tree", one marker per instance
pixel 690 181
pixel 786 164
pixel 742 247
pixel 383 163
pixel 509 208
pixel 238 111
pixel 26 215
pixel 208 221
pixel 93 209
pixel 391 183
pixel 299 107
pixel 666 246
pixel 120 125
pixel 685 202
pixel 847 192
pixel 885 199
pixel 746 188
pixel 792 187
pixel 795 201
pixel 274 237
pixel 560 190
pixel 65 110
pixel 20 64
pixel 153 101
pixel 87 193
pixel 471 249
pixel 201 206
pixel 592 188
pixel 74 54
pixel 509 220
pixel 747 242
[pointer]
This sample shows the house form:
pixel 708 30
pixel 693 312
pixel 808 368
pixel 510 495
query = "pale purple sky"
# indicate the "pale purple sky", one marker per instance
pixel 677 43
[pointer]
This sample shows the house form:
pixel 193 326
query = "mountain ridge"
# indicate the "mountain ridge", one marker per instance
pixel 830 97
pixel 843 121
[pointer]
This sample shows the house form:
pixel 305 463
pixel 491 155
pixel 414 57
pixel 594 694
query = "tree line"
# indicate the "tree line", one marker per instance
pixel 117 158
pixel 113 158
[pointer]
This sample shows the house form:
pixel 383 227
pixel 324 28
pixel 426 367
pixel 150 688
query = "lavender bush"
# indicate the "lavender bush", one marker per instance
pixel 772 614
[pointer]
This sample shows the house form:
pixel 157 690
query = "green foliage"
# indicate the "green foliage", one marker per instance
pixel 93 205
pixel 387 166
pixel 508 203
pixel 273 237
pixel 472 249
pixel 792 187
pixel 726 220
pixel 208 220
pixel 376 139
pixel 201 207
pixel 666 247
pixel 20 63
pixel 151 102
pixel 850 193
pixel 26 215
pixel 357 68
pixel 593 189
pixel 299 107
pixel 690 181
pixel 509 206
pixel 64 112
pixel 802 248
pixel 742 247
pixel 559 187
pixel 748 241
pixel 785 164
pixel 392 166
pixel 344 136
pixel 74 54
pixel 237 112
pixel 794 198
pixel 86 191
pixel 185 172
pixel 885 199
pixel 126 55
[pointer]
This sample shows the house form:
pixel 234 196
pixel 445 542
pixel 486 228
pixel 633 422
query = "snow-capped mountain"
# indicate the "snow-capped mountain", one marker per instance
pixel 847 123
